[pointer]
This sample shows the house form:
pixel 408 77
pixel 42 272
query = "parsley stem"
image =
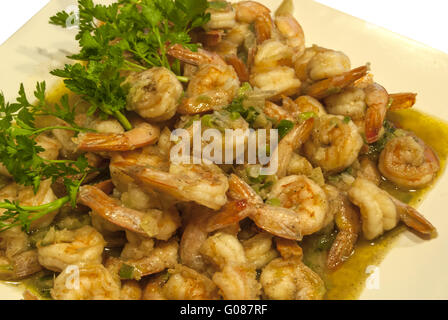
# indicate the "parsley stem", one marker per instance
pixel 48 207
pixel 123 120
pixel 39 211
pixel 58 127
pixel 134 65
pixel 182 78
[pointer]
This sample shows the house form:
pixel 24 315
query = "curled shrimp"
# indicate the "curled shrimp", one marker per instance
pixel 148 259
pixel 381 212
pixel 290 143
pixel 377 100
pixel 212 87
pixel 292 31
pixel 256 13
pixel 408 162
pixel 153 93
pixel 181 283
pixel 272 71
pixel 282 222
pixel 349 226
pixel 326 64
pixel 205 184
pixel 259 250
pixel 291 279
pixel 327 87
pixel 62 248
pixel 142 135
pixel 95 283
pixel 334 143
pixel 305 198
pixel 235 278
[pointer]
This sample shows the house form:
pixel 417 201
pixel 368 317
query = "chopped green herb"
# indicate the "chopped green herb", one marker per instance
pixel 274 202
pixel 284 126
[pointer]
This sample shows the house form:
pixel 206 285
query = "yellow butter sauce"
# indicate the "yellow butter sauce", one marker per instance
pixel 348 281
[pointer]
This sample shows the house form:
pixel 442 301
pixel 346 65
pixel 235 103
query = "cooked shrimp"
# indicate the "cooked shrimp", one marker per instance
pixel 142 135
pixel 222 18
pixel 212 87
pixel 193 237
pixel 111 209
pixel 95 283
pixel 292 31
pixel 204 184
pixel 259 15
pixel 408 162
pixel 290 279
pixel 59 249
pixel 404 100
pixel 306 198
pixel 231 213
pixel 326 64
pixel 368 170
pixel 377 100
pixel 153 93
pixel 182 284
pixel 148 156
pixel 259 250
pixel 280 81
pixel 130 290
pixel 289 249
pixel 276 112
pixel 237 282
pixel 334 144
pixel 309 104
pixel 292 141
pixel 348 224
pixel 282 222
pixel 334 84
pixel 301 62
pixel 147 259
pixel 414 220
pixel 271 70
pixel 44 195
pixel 51 146
pixel 378 211
pixel 223 249
pixel 350 103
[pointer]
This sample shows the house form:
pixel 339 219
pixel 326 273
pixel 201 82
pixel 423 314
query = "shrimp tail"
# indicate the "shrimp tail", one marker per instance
pixel 232 213
pixel 110 209
pixel 327 87
pixel 404 100
pixel 239 66
pixel 142 135
pixel 414 220
pixel 349 224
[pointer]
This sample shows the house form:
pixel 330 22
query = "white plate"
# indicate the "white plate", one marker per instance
pixel 413 269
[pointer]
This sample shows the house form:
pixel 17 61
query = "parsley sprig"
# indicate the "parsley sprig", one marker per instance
pixel 126 35
pixel 19 153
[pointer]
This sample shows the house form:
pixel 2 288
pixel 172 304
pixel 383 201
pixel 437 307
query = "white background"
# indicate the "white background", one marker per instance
pixel 421 20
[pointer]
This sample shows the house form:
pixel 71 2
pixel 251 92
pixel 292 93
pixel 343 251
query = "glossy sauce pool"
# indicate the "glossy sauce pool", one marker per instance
pixel 348 281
